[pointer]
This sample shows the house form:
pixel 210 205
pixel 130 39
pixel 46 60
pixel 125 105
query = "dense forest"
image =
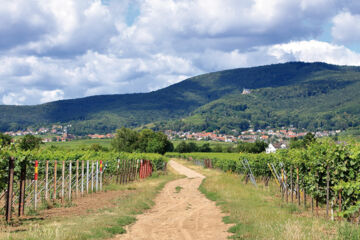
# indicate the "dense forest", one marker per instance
pixel 304 95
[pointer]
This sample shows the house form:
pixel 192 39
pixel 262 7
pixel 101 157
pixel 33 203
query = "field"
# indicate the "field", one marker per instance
pixel 305 193
pixel 77 144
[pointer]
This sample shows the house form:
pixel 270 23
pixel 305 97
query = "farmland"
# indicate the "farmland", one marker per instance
pixel 303 193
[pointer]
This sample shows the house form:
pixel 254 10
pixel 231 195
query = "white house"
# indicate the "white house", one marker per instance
pixel 270 149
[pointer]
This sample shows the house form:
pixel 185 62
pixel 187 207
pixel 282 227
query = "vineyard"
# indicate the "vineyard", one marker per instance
pixel 323 174
pixel 32 179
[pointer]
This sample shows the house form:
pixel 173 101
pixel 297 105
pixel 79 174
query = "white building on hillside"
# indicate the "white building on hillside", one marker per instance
pixel 270 149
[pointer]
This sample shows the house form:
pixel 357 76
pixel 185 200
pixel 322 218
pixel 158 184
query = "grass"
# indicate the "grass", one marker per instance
pixel 257 213
pixel 97 224
pixel 178 189
pixel 81 143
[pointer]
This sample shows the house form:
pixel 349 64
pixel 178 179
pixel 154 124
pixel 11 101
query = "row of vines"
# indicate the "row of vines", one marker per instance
pixel 328 172
pixel 54 174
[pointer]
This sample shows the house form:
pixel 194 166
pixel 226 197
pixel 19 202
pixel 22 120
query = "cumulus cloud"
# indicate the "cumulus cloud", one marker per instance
pixel 314 51
pixel 53 49
pixel 346 28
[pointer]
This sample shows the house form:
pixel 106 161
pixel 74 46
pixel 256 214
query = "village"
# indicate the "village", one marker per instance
pixel 277 137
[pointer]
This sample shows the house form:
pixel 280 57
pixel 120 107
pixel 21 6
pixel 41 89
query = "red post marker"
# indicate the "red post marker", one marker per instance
pixel 101 166
pixel 141 169
pixel 36 170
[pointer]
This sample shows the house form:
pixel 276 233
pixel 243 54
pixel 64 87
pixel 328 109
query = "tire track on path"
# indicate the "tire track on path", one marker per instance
pixel 187 215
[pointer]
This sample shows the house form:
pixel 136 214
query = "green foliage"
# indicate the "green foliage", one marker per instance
pixel 30 142
pixel 110 159
pixel 313 161
pixel 187 147
pixel 127 140
pixel 5 140
pixel 302 143
pixel 256 147
pixel 97 147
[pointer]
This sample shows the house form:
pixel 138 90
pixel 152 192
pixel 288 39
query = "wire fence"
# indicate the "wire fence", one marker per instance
pixel 64 181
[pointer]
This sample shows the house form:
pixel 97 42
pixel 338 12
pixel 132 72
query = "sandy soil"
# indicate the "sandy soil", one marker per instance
pixel 86 205
pixel 186 214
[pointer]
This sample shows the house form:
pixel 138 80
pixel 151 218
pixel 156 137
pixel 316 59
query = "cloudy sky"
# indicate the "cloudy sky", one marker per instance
pixel 61 49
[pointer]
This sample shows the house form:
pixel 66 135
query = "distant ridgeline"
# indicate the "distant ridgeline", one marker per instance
pixel 304 95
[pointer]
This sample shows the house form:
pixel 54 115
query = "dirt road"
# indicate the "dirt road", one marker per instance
pixel 180 212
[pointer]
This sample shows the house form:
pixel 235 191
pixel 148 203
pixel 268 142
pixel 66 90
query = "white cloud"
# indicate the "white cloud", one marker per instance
pixel 53 49
pixel 48 96
pixel 314 51
pixel 346 28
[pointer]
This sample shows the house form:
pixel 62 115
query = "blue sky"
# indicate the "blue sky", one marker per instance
pixel 62 49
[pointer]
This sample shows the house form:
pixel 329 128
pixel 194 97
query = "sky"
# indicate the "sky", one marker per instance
pixel 62 49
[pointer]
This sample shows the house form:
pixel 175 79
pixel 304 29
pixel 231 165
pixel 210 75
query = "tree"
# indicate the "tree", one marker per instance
pixel 5 140
pixel 205 148
pixel 125 140
pixel 217 148
pixel 308 139
pixel 192 147
pixel 256 147
pixel 30 142
pixel 158 143
pixel 182 147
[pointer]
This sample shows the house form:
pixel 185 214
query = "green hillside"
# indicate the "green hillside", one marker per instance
pixel 308 95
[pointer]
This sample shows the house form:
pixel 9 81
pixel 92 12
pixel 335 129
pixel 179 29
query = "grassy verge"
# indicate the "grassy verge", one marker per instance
pixel 100 224
pixel 256 213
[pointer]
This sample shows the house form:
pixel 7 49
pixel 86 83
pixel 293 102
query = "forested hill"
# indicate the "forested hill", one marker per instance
pixel 309 95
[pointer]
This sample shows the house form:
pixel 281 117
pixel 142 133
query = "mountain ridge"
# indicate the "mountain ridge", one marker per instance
pixel 104 113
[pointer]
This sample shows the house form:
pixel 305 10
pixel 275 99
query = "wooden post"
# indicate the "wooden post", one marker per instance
pixel 298 186
pixel 327 189
pixel 77 179
pixel 92 176
pixel 137 170
pixel 118 171
pixel 291 184
pixel 122 177
pixel 312 205
pixel 87 176
pixel 10 188
pixel 317 190
pixel 131 169
pixel 63 182
pixel 82 178
pixel 282 184
pixel 97 176
pixel 340 206
pixel 47 180
pixel 36 172
pixel 304 197
pixel 286 190
pixel 101 174
pixel 125 170
pixel 21 209
pixel 55 178
pixel 70 170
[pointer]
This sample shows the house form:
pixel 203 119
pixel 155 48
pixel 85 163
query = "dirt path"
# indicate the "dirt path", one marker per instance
pixel 186 214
